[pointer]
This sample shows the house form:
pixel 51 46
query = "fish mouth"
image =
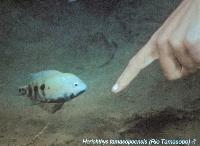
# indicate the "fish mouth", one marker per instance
pixel 80 92
pixel 64 99
pixel 72 95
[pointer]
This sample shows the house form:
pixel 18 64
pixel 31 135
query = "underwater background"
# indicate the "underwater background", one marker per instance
pixel 93 39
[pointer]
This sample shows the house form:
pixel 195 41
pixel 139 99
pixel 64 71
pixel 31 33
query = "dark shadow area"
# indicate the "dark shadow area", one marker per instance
pixel 152 124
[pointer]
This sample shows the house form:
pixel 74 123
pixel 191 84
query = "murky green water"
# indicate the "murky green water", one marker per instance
pixel 94 41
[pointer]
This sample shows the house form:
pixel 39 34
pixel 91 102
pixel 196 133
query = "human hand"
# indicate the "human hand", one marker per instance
pixel 176 44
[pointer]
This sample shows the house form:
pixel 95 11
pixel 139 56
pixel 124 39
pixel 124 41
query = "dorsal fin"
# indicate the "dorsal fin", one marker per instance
pixel 68 75
pixel 44 74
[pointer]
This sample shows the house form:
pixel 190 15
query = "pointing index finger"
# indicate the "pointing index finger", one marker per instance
pixel 141 60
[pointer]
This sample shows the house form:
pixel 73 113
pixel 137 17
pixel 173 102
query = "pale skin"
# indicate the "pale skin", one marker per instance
pixel 176 44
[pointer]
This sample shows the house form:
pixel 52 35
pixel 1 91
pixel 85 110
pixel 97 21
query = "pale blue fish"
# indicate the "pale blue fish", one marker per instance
pixel 53 86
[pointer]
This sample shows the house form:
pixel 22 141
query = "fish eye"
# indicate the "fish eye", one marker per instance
pixel 75 84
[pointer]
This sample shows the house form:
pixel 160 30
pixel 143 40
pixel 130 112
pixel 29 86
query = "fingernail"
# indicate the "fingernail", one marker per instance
pixel 114 88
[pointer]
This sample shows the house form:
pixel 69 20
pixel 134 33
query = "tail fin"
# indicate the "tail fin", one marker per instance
pixel 23 90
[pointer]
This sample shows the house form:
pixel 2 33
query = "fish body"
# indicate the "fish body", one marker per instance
pixel 53 86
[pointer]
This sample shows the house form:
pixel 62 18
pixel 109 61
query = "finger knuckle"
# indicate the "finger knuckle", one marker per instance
pixel 169 77
pixel 176 43
pixel 162 41
pixel 174 77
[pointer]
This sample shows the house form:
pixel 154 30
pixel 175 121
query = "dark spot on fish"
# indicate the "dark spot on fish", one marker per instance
pixel 59 100
pixel 35 88
pixel 30 92
pixel 42 87
pixel 22 91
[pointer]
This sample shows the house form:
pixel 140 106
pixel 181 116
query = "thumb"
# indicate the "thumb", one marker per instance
pixel 141 60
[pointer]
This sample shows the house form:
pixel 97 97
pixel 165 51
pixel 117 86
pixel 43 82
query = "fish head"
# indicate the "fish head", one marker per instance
pixel 74 86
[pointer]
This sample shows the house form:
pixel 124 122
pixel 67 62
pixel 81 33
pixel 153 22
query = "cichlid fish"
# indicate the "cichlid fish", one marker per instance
pixel 51 86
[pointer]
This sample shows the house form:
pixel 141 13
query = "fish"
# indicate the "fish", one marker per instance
pixel 52 86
